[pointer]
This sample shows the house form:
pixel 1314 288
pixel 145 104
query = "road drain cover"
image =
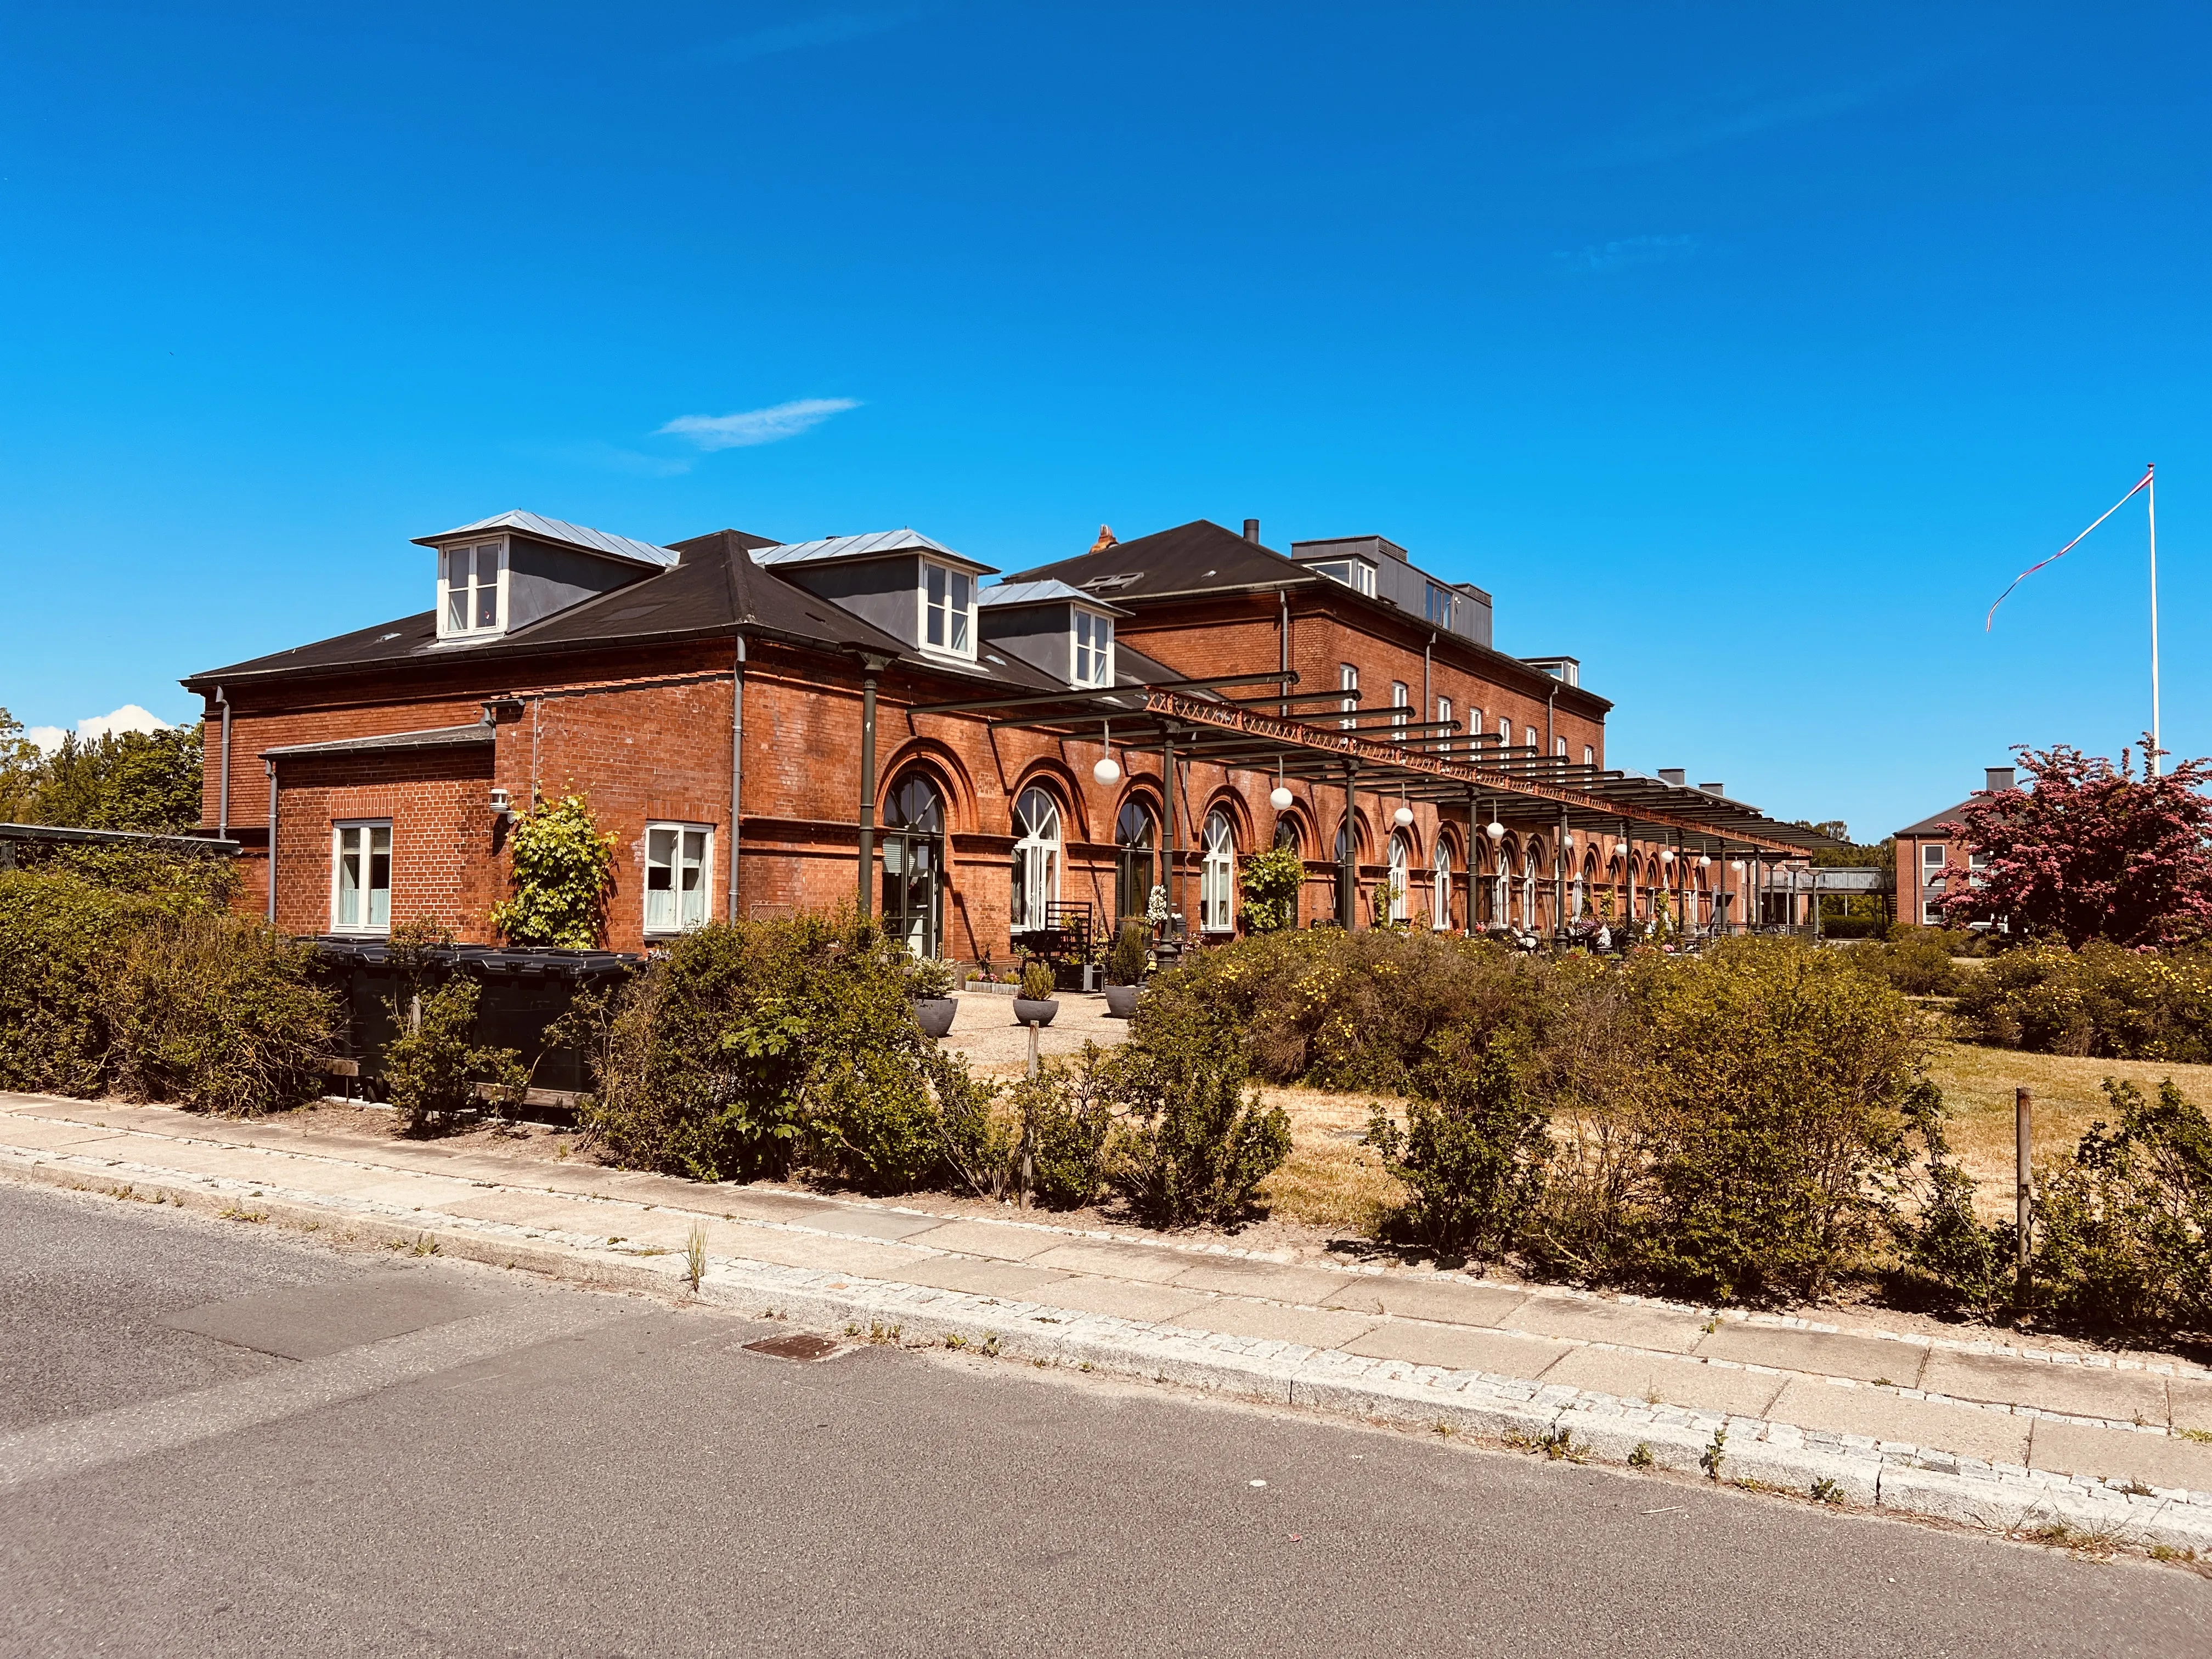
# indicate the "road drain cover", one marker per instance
pixel 799 1345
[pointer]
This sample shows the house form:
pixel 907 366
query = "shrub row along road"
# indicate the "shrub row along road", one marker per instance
pixel 215 1441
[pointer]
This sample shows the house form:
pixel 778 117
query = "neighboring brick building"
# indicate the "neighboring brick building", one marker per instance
pixel 746 716
pixel 1931 854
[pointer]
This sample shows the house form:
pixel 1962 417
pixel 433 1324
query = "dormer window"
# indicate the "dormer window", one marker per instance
pixel 1094 649
pixel 948 609
pixel 1357 574
pixel 472 589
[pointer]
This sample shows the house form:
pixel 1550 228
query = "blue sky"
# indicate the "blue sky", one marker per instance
pixel 1744 352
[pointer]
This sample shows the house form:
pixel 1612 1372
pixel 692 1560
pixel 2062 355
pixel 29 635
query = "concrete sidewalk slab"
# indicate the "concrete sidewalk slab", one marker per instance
pixel 1146 1305
pixel 2077 1390
pixel 2189 1403
pixel 1460 1347
pixel 1313 1287
pixel 2156 1460
pixel 1825 1353
pixel 1098 1255
pixel 1448 1300
pixel 1003 1243
pixel 45 1137
pixel 984 1277
pixel 1660 1379
pixel 1658 1329
pixel 1813 1403
pixel 1308 1326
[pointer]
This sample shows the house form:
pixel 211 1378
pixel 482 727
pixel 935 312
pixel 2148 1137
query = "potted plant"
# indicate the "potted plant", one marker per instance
pixel 1035 1004
pixel 930 980
pixel 1125 970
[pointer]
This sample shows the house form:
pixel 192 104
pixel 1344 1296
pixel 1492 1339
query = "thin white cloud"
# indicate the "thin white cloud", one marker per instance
pixel 757 426
pixel 129 718
pixel 1603 258
pixel 611 458
pixel 1675 140
pixel 830 29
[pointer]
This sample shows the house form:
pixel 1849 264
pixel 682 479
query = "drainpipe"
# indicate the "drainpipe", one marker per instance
pixel 737 773
pixel 1283 653
pixel 1428 704
pixel 1475 839
pixel 871 666
pixel 1173 884
pixel 271 766
pixel 222 796
pixel 1551 700
pixel 1347 875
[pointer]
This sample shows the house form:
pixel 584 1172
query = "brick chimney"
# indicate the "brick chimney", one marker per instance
pixel 1106 540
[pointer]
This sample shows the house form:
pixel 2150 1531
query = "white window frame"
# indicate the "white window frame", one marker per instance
pixel 1357 574
pixel 472 629
pixel 1440 899
pixel 1558 748
pixel 1090 649
pixel 1217 878
pixel 1347 680
pixel 340 828
pixel 1933 858
pixel 1589 756
pixel 955 622
pixel 1505 729
pixel 1444 725
pixel 1400 855
pixel 677 923
pixel 1402 708
pixel 1037 859
pixel 1438 603
pixel 1529 740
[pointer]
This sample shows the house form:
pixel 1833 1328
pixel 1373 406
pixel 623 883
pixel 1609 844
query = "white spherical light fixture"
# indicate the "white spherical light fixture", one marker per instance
pixel 1737 865
pixel 1666 855
pixel 1107 772
pixel 1494 830
pixel 1279 798
pixel 1567 841
pixel 1704 860
pixel 1403 816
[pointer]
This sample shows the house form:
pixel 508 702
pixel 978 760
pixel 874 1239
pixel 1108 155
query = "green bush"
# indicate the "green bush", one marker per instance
pixel 2105 1001
pixel 1269 883
pixel 1126 961
pixel 1066 1117
pixel 561 867
pixel 1949 1256
pixel 431 1068
pixel 1840 927
pixel 218 1014
pixel 1916 960
pixel 2123 1227
pixel 1473 1150
pixel 61 944
pixel 1773 1119
pixel 760 1048
pixel 1196 1143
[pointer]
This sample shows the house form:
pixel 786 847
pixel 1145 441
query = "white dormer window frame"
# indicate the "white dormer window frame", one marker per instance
pixel 947 598
pixel 469 606
pixel 1358 575
pixel 1091 647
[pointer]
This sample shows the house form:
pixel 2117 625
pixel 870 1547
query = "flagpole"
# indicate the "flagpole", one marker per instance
pixel 2150 478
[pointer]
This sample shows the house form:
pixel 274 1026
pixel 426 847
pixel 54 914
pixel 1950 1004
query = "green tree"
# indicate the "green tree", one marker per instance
pixel 1270 881
pixel 21 767
pixel 562 865
pixel 144 781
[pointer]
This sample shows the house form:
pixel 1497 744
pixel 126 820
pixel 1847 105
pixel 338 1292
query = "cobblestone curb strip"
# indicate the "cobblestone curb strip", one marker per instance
pixel 1754 1453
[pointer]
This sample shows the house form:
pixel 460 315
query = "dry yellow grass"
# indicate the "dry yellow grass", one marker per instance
pixel 1978 1085
pixel 1331 1180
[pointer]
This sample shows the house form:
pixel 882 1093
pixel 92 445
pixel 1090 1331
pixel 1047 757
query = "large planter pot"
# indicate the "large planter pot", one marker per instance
pixel 1122 1000
pixel 935 1014
pixel 1034 1010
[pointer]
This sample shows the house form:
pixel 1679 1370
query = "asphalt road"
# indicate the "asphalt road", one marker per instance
pixel 220 1441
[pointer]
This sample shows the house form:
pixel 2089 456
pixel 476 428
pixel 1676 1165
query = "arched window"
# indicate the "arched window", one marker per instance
pixel 1136 843
pixel 1217 878
pixel 1440 901
pixel 914 863
pixel 1037 859
pixel 1286 834
pixel 1401 859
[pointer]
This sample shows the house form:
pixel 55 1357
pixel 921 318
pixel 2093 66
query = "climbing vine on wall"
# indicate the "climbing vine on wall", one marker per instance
pixel 562 866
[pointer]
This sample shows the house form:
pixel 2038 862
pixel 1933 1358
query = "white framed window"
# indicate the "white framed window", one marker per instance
pixel 1037 859
pixel 1217 881
pixel 948 609
pixel 1506 730
pixel 1357 574
pixel 1440 899
pixel 360 877
pixel 472 589
pixel 1930 916
pixel 1437 604
pixel 1528 740
pixel 1931 858
pixel 1094 648
pixel 679 863
pixel 1444 725
pixel 1400 707
pixel 1589 756
pixel 1347 680
pixel 1560 748
pixel 1401 860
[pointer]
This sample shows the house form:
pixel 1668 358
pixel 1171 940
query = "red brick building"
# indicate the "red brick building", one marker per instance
pixel 1931 855
pixel 757 723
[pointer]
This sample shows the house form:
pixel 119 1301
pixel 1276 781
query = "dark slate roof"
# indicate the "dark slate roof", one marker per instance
pixel 437 737
pixel 1934 826
pixel 715 589
pixel 1197 557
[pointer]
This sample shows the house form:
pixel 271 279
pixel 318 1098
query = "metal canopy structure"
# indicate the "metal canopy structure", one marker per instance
pixel 1432 760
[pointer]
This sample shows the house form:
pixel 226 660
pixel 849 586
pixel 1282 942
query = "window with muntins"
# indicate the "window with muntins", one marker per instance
pixel 472 588
pixel 1094 649
pixel 1217 884
pixel 948 609
pixel 1357 574
pixel 1443 724
pixel 677 857
pixel 1401 708
pixel 360 878
pixel 1347 680
pixel 1437 606
pixel 1037 860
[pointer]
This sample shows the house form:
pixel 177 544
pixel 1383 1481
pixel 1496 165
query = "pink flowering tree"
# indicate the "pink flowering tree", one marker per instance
pixel 2091 851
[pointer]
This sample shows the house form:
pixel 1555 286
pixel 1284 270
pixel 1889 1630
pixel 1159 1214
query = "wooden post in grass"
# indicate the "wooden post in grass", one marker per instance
pixel 2023 1114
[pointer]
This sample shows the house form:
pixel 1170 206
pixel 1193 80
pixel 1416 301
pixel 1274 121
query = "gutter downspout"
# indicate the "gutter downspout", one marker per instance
pixel 1551 699
pixel 869 667
pixel 737 774
pixel 1428 707
pixel 222 797
pixel 1283 637
pixel 271 766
